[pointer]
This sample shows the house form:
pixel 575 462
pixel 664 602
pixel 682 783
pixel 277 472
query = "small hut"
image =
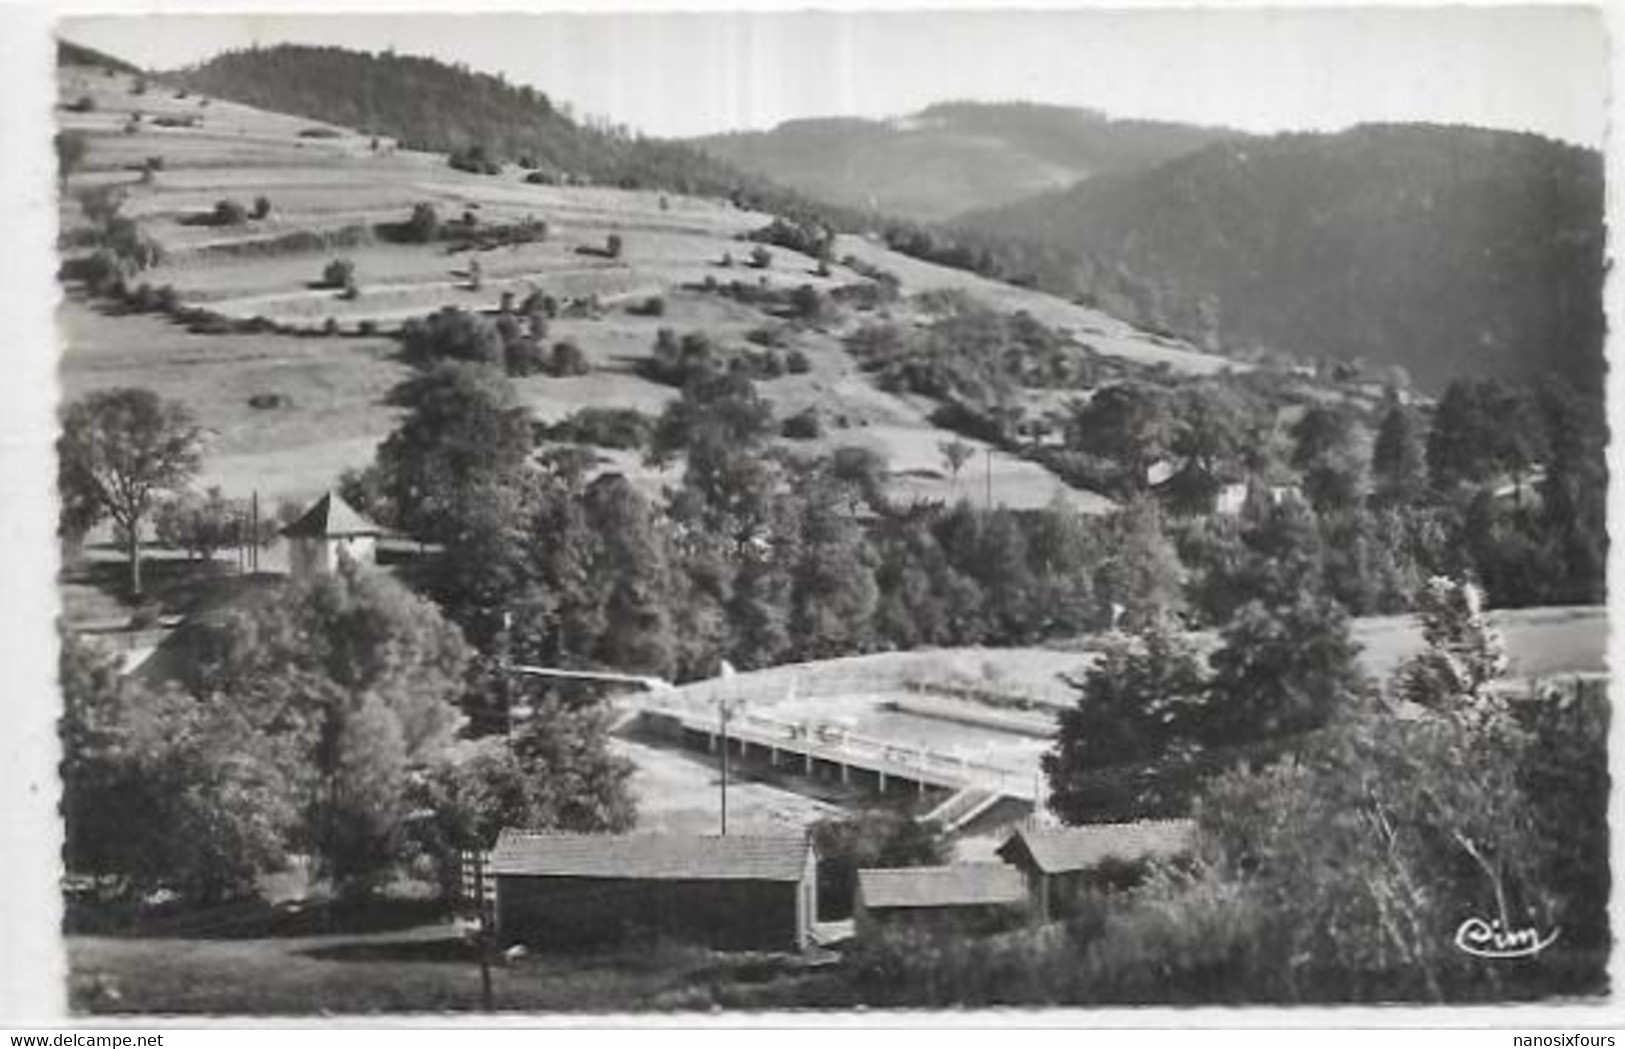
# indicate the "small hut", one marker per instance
pixel 329 530
pixel 965 897
pixel 1063 865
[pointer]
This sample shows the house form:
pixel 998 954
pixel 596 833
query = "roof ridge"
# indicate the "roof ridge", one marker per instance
pixel 515 832
pixel 330 516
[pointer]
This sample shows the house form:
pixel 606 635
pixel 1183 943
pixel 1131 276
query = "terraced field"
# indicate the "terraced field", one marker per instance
pixel 331 360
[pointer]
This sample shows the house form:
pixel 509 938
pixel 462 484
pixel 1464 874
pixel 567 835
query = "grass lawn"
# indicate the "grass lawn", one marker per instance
pixel 425 969
pixel 1539 641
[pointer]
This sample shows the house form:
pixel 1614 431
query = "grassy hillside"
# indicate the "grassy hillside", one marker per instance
pixel 954 157
pixel 1447 251
pixel 251 319
pixel 427 105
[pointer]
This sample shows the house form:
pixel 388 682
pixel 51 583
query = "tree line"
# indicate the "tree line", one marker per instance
pixel 324 719
pixel 1339 868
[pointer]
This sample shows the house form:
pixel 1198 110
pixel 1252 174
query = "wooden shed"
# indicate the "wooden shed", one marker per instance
pixel 967 896
pixel 577 890
pixel 1062 864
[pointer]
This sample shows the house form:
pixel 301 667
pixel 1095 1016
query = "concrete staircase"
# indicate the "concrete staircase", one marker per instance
pixel 962 807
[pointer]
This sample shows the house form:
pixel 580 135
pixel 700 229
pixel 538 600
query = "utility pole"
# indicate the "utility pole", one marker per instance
pixel 476 886
pixel 989 477
pixel 506 657
pixel 254 533
pixel 722 712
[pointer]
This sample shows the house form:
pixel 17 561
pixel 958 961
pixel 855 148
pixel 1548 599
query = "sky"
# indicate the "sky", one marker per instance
pixel 1539 69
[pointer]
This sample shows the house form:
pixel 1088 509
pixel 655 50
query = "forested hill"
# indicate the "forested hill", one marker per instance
pixel 1450 251
pixel 71 54
pixel 953 157
pixel 430 105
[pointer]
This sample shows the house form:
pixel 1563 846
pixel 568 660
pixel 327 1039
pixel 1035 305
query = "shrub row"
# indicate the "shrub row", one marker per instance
pixel 293 243
pixel 619 428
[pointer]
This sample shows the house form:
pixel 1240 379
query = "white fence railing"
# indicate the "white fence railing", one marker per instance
pixel 838 743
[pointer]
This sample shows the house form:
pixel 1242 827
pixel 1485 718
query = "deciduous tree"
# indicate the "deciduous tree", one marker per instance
pixel 119 450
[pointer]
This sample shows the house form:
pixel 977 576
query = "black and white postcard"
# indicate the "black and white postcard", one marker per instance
pixel 748 511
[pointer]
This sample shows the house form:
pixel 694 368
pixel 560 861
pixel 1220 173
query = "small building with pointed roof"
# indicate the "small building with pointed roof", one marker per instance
pixel 326 532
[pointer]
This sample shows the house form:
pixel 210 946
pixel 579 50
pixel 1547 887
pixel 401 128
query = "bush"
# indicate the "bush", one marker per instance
pixel 208 322
pixel 653 306
pixel 809 238
pixel 568 359
pixel 453 334
pixel 475 159
pixel 168 299
pixel 424 225
pixel 621 428
pixel 524 356
pixel 330 326
pixel 808 304
pixel 82 104
pixel 269 401
pixel 539 303
pixel 771 336
pixel 368 327
pixel 613 245
pixel 318 132
pixel 796 362
pixel 262 207
pixel 340 273
pixel 229 213
pixel 804 426
pixel 760 257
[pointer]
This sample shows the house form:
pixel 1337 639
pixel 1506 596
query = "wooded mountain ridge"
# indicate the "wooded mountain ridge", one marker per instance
pixel 430 105
pixel 1445 250
pixel 954 156
pixel 1442 250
